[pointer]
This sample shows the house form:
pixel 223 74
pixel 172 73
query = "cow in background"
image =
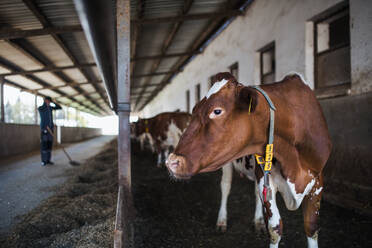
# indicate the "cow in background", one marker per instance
pixel 233 121
pixel 162 132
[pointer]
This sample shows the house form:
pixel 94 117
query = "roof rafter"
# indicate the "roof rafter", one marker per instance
pixel 136 32
pixel 13 67
pixel 168 40
pixel 184 17
pixel 196 45
pixel 48 69
pixel 32 52
pixel 163 56
pixel 152 74
pixel 17 33
pixel 46 24
pixel 69 84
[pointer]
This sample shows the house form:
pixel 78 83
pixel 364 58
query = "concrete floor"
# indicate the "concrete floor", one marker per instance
pixel 24 183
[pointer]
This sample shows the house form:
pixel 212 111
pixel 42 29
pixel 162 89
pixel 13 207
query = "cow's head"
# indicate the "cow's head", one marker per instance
pixel 222 126
pixel 139 127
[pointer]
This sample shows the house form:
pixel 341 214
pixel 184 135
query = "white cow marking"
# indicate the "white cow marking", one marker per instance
pixel 317 192
pixel 216 87
pixel 298 197
pixel 173 136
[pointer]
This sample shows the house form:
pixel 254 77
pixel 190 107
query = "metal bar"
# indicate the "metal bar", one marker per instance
pixel 123 233
pixel 49 69
pixel 163 56
pixel 182 18
pixel 71 84
pixel 95 22
pixel 153 74
pixel 16 33
pixel 2 118
pixel 136 32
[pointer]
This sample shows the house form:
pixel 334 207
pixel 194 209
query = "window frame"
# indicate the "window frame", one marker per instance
pixel 333 90
pixel 265 49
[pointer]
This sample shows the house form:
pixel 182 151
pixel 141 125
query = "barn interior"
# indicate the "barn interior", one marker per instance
pixel 109 62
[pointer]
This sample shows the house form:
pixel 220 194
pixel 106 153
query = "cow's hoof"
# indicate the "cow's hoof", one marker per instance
pixel 259 226
pixel 221 227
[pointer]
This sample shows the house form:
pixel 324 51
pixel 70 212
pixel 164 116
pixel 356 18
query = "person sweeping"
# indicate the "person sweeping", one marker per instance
pixel 47 126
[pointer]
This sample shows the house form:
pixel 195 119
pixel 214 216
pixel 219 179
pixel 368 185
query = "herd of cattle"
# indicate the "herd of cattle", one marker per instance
pixel 229 126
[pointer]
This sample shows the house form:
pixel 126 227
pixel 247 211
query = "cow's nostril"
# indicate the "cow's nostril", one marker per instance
pixel 174 164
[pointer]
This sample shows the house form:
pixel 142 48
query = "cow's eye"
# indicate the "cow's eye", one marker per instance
pixel 216 113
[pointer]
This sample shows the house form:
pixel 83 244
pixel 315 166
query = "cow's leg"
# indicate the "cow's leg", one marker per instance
pixel 271 213
pixel 259 222
pixel 310 208
pixel 166 153
pixel 226 179
pixel 159 159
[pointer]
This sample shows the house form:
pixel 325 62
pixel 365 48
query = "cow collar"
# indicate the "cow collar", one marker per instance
pixel 266 163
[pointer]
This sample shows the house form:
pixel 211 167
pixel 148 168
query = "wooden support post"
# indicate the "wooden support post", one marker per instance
pixel 123 235
pixel 2 119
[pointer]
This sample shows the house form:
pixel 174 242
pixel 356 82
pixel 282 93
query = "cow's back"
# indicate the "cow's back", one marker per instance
pixel 299 121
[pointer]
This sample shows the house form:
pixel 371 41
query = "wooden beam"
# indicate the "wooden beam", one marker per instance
pixel 17 33
pixel 164 56
pixel 181 18
pixel 48 69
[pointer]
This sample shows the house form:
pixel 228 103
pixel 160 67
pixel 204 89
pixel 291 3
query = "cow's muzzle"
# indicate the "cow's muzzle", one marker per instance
pixel 177 166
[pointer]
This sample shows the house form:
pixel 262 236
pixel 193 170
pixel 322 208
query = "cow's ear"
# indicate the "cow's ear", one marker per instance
pixel 247 99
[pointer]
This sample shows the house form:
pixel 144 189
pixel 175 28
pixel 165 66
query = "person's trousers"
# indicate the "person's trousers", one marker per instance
pixel 46 143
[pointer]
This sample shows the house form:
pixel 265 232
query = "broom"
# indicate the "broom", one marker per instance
pixel 72 162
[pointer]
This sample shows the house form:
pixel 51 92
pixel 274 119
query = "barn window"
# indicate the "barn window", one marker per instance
pixel 267 63
pixel 188 101
pixel 234 70
pixel 197 93
pixel 332 49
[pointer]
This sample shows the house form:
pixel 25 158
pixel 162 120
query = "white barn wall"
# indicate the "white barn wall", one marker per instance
pixel 282 21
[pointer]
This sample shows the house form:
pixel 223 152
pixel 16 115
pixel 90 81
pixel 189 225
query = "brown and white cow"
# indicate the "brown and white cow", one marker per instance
pixel 232 121
pixel 162 131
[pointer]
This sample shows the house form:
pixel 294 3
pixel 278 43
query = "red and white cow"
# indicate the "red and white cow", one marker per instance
pixel 233 121
pixel 163 132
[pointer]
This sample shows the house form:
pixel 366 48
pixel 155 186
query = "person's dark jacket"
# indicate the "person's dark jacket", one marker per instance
pixel 46 116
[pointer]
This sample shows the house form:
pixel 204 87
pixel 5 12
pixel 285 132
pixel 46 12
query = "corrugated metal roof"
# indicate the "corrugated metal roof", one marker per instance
pixel 53 50
pixel 160 35
pixel 171 30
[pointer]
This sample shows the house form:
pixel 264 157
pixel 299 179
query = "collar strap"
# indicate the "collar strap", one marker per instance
pixel 266 163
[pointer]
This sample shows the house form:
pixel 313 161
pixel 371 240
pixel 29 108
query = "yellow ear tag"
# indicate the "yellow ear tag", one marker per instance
pixel 250 105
